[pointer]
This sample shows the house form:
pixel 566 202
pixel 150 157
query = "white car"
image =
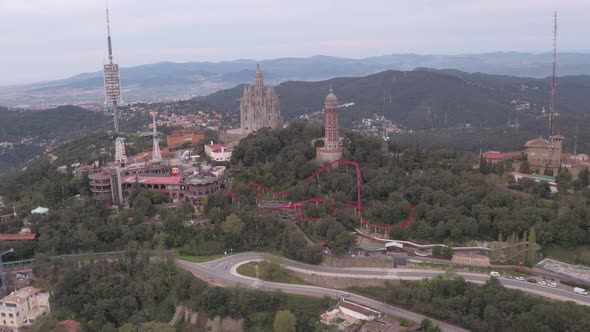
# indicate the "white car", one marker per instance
pixel 519 278
pixel 345 294
pixel 552 285
pixel 542 283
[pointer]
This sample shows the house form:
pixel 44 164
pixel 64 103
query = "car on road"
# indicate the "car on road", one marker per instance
pixel 519 278
pixel 344 294
pixel 552 285
pixel 542 283
pixel 580 291
pixel 225 267
pixel 531 280
pixel 495 274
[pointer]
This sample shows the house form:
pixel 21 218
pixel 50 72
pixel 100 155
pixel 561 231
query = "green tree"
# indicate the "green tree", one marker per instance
pixel 563 181
pixel 285 321
pixel 584 176
pixel 129 327
pixel 532 247
pixel 156 327
pixel 447 252
pixel 232 225
pixel 525 167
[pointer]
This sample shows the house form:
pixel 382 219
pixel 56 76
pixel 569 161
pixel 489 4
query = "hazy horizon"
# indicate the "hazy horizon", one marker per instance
pixel 67 37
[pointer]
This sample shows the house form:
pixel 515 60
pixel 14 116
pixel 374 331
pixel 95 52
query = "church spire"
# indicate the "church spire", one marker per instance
pixel 259 81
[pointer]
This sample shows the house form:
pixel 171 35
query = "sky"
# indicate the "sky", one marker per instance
pixel 53 39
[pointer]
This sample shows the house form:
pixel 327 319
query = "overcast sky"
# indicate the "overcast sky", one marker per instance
pixel 51 39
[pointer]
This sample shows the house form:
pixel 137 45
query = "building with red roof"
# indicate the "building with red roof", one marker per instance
pixel 17 237
pixel 494 157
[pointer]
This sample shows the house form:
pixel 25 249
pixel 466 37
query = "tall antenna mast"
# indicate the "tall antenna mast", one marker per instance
pixel 112 82
pixel 109 34
pixel 552 110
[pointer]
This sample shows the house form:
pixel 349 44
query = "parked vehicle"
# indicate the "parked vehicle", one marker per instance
pixel 495 274
pixel 580 291
pixel 519 278
pixel 552 285
pixel 531 280
pixel 542 283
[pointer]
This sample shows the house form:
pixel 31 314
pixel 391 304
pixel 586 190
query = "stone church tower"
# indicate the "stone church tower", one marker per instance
pixel 259 107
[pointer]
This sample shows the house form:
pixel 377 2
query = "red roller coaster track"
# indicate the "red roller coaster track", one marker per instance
pixel 297 205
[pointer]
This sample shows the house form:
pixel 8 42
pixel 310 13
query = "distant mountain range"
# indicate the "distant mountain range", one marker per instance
pixel 168 80
pixel 427 98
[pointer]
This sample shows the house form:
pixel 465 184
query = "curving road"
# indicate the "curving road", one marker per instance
pixel 223 272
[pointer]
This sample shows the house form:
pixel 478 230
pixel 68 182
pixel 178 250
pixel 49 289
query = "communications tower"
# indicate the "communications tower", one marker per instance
pixel 112 82
pixel 156 154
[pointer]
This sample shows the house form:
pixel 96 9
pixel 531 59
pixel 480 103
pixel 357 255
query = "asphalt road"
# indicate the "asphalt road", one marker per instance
pixel 214 272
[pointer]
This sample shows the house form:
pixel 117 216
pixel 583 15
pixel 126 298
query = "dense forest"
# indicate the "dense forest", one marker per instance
pixel 491 307
pixel 454 203
pixel 59 123
pixel 132 292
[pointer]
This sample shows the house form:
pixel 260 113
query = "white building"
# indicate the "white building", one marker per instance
pixel 358 311
pixel 218 152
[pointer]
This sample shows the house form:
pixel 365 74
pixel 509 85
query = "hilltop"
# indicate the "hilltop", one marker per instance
pixel 427 98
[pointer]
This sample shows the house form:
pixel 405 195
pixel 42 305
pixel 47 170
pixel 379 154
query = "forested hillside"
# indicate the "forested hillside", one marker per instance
pixel 427 99
pixel 28 133
pixel 57 123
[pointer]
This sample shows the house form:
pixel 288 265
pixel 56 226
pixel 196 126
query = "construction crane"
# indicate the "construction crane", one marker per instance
pixel 2 273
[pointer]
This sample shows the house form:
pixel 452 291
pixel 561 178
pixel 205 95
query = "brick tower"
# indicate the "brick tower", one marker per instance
pixel 331 150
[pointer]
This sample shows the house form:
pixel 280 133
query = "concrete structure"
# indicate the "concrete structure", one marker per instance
pixel 21 308
pixel 156 154
pixel 179 137
pixel 543 154
pixel 120 154
pixel 358 311
pixel 218 152
pixel 331 150
pixel 112 81
pixel 471 259
pixel 386 324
